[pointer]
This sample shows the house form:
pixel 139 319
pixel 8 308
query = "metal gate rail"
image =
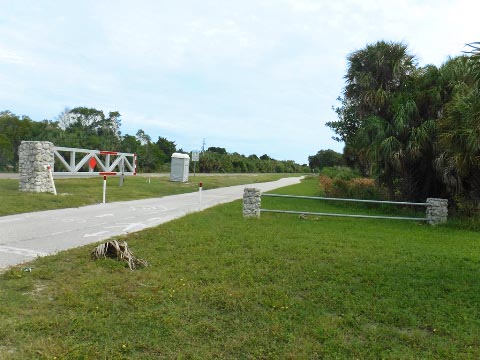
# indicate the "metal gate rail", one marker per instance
pixel 346 215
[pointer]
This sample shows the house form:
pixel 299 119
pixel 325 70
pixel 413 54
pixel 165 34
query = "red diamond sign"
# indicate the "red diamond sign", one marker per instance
pixel 92 163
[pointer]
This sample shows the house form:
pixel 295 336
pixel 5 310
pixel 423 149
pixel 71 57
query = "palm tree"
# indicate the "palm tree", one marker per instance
pixel 458 160
pixel 376 73
pixel 409 124
pixel 374 78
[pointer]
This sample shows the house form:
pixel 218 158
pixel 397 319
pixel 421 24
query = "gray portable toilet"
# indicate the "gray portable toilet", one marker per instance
pixel 179 167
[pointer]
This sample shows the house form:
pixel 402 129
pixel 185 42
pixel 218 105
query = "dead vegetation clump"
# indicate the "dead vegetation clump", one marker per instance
pixel 120 251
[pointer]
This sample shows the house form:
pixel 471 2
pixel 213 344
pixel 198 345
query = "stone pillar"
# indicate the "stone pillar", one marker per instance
pixel 437 211
pixel 251 202
pixel 34 157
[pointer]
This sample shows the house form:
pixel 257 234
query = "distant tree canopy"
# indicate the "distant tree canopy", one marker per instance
pixel 167 147
pixel 218 150
pixel 14 129
pixel 224 162
pixel 89 128
pixel 325 158
pixel 414 128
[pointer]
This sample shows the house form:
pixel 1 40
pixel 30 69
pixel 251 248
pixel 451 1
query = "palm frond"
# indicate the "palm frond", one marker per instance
pixel 474 48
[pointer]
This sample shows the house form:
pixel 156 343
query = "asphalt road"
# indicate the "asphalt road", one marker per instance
pixel 23 237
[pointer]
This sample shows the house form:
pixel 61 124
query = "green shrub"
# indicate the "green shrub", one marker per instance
pixel 466 207
pixel 339 172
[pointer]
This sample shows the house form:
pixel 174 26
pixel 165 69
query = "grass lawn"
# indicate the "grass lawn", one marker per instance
pixel 220 286
pixel 87 191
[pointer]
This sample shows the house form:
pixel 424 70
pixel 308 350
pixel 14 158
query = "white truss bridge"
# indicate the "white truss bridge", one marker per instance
pixel 93 162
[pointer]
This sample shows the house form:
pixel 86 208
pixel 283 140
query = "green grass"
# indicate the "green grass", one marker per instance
pixel 220 286
pixel 87 191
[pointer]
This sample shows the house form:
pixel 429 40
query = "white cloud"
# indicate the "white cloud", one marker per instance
pixel 11 57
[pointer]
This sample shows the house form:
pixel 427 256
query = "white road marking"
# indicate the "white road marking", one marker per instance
pixel 74 220
pixel 20 251
pixel 128 218
pixel 103 215
pixel 96 234
pixel 137 226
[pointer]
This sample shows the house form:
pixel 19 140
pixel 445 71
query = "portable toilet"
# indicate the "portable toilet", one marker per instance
pixel 179 167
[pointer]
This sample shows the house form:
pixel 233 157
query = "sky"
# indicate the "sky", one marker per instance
pixel 252 76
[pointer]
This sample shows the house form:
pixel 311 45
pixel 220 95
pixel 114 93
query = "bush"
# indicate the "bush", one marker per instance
pixel 465 207
pixel 365 188
pixel 326 185
pixel 355 188
pixel 464 213
pixel 339 172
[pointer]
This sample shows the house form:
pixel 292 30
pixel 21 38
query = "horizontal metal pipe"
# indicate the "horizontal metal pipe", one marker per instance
pixel 353 200
pixel 343 215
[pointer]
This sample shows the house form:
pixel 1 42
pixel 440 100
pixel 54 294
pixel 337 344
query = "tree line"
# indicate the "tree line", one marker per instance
pixel 89 128
pixel 416 129
pixel 218 160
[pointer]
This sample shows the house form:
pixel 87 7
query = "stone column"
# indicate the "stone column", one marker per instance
pixel 34 157
pixel 251 202
pixel 437 211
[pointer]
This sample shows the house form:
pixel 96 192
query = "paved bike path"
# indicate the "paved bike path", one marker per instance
pixel 23 237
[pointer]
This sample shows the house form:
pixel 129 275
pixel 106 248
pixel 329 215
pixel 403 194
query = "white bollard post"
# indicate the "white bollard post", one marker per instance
pixel 122 171
pixel 50 175
pixel 104 188
pixel 200 188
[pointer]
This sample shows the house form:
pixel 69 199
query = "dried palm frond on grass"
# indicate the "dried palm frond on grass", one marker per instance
pixel 120 251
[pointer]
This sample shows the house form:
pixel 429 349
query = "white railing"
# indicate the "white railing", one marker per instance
pixel 107 162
